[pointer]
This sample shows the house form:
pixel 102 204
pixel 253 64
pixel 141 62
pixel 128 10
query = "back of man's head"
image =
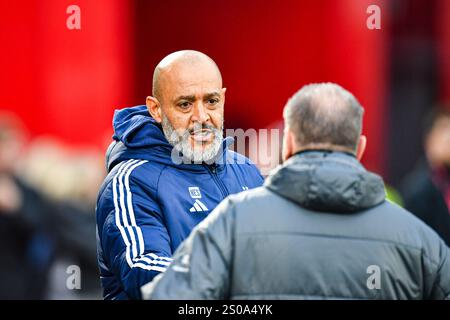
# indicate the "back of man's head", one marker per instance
pixel 324 115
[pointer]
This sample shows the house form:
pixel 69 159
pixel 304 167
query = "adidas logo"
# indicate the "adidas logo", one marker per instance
pixel 198 206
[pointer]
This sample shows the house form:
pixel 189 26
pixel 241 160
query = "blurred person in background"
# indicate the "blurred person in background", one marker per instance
pixel 68 176
pixel 426 191
pixel 319 228
pixel 41 235
pixel 150 201
pixel 27 247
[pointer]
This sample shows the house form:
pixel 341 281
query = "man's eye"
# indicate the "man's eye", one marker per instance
pixel 184 105
pixel 213 101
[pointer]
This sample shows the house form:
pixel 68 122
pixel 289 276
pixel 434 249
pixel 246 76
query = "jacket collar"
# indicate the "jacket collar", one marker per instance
pixel 327 181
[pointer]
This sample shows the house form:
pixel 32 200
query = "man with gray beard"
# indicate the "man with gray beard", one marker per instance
pixel 192 153
pixel 169 167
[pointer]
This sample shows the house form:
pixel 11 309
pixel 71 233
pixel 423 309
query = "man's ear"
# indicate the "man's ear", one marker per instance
pixel 361 147
pixel 223 93
pixel 288 144
pixel 154 108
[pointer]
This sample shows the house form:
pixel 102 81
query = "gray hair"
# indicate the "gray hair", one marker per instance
pixel 324 113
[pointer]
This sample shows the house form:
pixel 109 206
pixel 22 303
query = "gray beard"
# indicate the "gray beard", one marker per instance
pixel 181 143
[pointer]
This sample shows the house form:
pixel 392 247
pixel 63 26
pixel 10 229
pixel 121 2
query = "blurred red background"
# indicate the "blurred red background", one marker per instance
pixel 67 83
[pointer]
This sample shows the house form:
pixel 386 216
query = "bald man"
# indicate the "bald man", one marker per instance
pixel 169 166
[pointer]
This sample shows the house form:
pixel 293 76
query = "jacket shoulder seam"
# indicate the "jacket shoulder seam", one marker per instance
pixel 347 237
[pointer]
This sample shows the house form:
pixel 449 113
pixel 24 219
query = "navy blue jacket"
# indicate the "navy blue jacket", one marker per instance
pixel 148 204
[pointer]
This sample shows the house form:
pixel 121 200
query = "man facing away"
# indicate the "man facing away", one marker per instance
pixel 169 166
pixel 319 228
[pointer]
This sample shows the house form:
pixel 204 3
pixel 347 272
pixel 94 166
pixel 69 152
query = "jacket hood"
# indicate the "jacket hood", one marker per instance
pixel 135 128
pixel 327 181
pixel 138 136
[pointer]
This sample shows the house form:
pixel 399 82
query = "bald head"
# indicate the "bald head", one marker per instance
pixel 326 114
pixel 176 65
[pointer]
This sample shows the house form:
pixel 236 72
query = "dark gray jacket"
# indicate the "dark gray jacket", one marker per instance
pixel 320 228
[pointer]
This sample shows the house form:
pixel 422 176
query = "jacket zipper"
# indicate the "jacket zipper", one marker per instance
pixel 213 171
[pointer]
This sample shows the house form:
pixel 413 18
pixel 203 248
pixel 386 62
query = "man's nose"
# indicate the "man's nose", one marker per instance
pixel 200 113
